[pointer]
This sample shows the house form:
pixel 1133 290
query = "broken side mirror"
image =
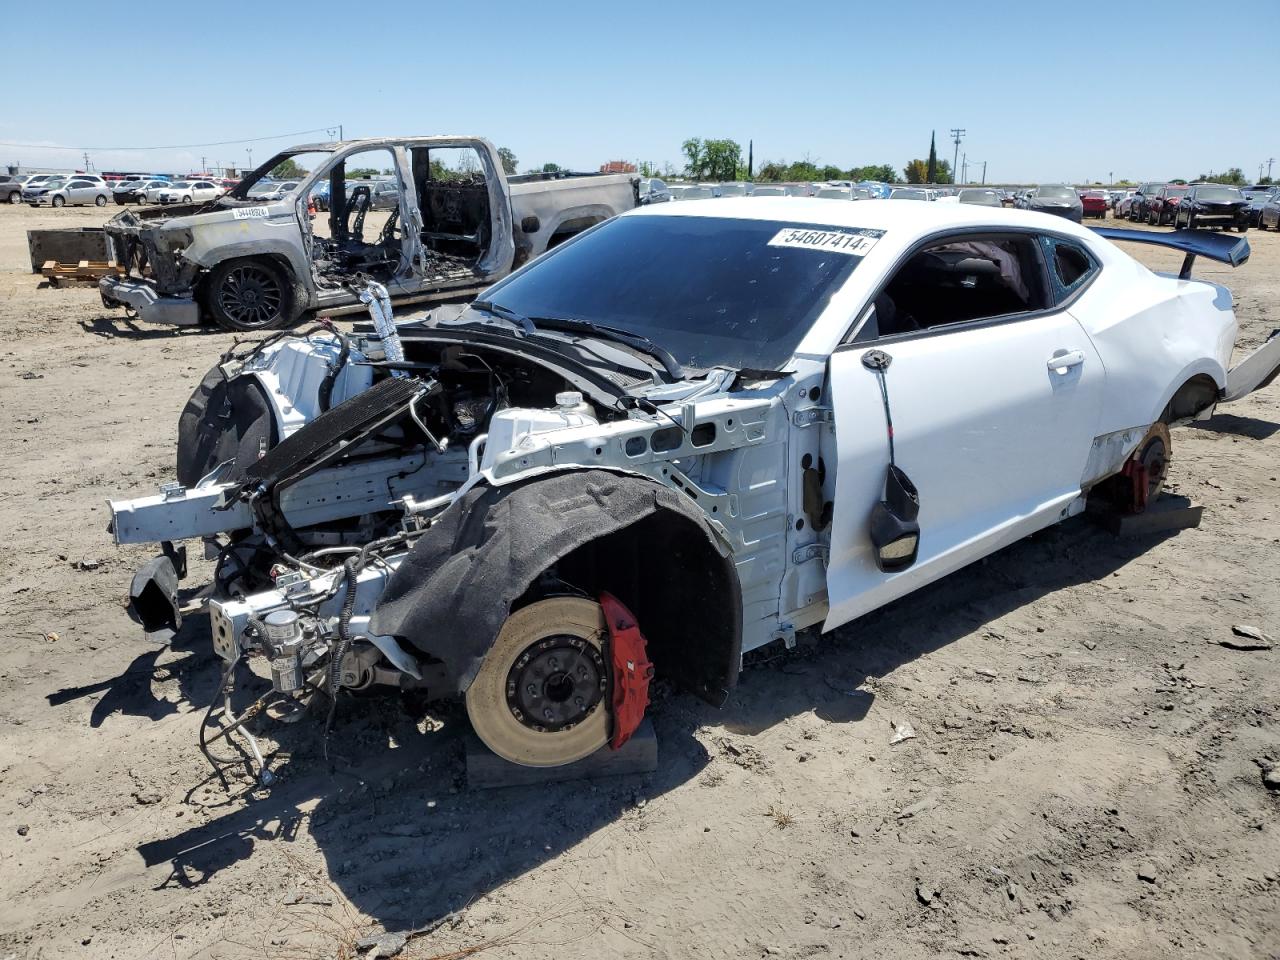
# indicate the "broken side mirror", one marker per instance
pixel 530 224
pixel 153 596
pixel 895 534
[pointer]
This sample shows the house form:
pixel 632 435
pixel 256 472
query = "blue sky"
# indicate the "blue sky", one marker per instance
pixel 1044 89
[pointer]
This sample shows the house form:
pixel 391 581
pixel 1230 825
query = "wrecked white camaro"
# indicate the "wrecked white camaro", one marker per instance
pixel 690 431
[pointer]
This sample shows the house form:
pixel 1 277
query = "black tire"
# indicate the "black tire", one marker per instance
pixel 57 201
pixel 1243 228
pixel 186 199
pixel 248 295
pixel 15 196
pixel 99 201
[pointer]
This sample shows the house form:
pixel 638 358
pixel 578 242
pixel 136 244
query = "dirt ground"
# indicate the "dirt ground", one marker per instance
pixel 1085 780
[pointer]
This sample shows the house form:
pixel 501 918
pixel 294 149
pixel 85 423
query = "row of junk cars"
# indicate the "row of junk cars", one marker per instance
pixel 81 189
pixel 1181 205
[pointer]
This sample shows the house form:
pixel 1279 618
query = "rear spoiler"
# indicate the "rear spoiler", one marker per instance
pixel 1194 243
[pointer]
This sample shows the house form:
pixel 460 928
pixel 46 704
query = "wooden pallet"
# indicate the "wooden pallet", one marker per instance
pixel 84 272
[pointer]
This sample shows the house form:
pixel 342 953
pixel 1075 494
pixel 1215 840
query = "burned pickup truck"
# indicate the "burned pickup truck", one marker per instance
pixel 688 432
pixel 452 224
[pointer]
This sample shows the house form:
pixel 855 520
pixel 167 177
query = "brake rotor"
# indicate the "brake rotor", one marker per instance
pixel 539 698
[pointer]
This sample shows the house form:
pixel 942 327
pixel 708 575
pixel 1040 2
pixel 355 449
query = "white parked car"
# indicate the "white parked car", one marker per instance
pixel 719 424
pixel 769 190
pixel 188 191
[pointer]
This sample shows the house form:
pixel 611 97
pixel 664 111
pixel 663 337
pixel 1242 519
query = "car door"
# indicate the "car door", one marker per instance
pixel 80 191
pixel 993 419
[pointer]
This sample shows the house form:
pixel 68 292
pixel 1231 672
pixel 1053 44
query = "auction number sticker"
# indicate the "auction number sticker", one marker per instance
pixel 250 213
pixel 854 243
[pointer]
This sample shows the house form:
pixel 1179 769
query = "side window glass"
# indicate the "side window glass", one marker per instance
pixel 958 281
pixel 1071 267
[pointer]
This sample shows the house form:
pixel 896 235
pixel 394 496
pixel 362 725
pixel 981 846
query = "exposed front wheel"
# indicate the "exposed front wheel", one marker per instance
pixel 57 201
pixel 99 201
pixel 541 698
pixel 249 295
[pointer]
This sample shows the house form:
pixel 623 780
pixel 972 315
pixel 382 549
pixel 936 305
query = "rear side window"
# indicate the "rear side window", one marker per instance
pixel 1071 267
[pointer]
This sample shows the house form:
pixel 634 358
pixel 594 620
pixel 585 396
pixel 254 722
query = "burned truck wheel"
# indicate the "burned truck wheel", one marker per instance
pixel 249 295
pixel 541 697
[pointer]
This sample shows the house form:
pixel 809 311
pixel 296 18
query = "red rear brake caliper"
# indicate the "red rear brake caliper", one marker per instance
pixel 632 670
pixel 1135 471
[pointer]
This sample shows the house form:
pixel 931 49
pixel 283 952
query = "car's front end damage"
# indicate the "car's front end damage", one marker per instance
pixel 378 507
pixel 165 251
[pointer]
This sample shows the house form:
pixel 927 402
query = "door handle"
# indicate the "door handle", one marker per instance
pixel 1060 363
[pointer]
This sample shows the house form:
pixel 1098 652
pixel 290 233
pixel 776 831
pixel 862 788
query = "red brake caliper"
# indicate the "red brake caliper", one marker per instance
pixel 1136 473
pixel 632 670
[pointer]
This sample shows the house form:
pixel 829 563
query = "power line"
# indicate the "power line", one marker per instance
pixel 173 146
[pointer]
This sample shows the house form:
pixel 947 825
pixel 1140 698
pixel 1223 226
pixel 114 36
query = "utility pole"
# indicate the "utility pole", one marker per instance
pixel 957 134
pixel 1270 161
pixel 203 168
pixel 964 170
pixel 984 173
pixel 87 168
pixel 249 151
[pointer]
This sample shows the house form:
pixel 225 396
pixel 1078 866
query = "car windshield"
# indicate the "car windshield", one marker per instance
pixel 1055 193
pixel 909 195
pixel 1218 193
pixel 713 291
pixel 1176 191
pixel 262 189
pixel 180 184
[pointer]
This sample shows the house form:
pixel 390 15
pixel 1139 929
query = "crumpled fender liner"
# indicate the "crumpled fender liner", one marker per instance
pixel 456 587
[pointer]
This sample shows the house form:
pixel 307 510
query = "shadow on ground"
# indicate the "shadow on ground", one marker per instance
pixel 407 843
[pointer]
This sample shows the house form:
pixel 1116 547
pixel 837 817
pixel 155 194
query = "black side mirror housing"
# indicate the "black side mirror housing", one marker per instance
pixel 895 532
pixel 530 224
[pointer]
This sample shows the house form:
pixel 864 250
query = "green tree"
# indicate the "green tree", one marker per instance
pixel 772 172
pixel 552 168
pixel 916 171
pixel 362 173
pixel 882 173
pixel 711 159
pixel 508 160
pixel 286 169
pixel 931 168
pixel 1233 176
pixel 943 173
pixel 830 173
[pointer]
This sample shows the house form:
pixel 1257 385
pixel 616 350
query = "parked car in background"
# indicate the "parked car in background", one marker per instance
pixel 70 191
pixel 189 191
pixel 1142 198
pixel 692 191
pixel 982 197
pixel 272 190
pixel 1269 213
pixel 909 193
pixel 736 188
pixel 1256 199
pixel 1054 198
pixel 1212 204
pixel 769 190
pixel 653 190
pixel 10 188
pixel 135 191
pixel 1123 206
pixel 1094 204
pixel 1163 207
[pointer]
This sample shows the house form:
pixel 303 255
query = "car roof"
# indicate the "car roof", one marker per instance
pixel 904 225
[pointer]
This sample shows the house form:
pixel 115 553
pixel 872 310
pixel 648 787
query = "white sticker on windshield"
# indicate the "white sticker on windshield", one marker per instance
pixel 855 243
pixel 250 213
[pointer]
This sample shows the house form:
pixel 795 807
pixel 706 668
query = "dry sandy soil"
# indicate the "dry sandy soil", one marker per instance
pixel 1085 781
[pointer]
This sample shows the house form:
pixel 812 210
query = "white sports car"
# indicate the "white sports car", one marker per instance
pixel 690 431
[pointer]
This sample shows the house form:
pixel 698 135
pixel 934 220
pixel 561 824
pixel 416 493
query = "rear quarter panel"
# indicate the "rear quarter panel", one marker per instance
pixel 1153 333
